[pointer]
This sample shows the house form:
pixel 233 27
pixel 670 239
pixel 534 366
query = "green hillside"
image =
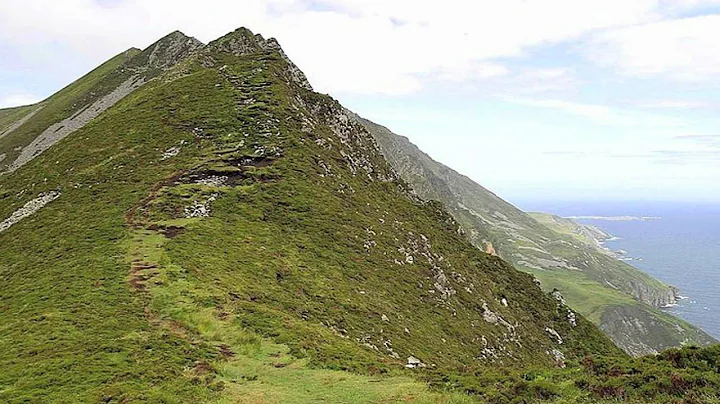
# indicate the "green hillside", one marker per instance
pixel 622 300
pixel 224 234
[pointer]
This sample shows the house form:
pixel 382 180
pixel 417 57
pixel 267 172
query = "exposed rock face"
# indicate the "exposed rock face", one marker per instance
pixel 623 322
pixel 555 335
pixel 559 358
pixel 29 208
pixel 413 362
pixel 490 249
pixel 167 52
pixel 648 294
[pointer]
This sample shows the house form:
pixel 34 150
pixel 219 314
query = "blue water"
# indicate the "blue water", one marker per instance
pixel 682 248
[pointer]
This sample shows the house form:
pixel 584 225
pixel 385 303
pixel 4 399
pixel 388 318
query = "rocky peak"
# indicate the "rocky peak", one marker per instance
pixel 166 52
pixel 243 42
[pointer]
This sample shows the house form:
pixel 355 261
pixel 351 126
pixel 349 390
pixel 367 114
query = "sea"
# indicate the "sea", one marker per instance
pixel 677 243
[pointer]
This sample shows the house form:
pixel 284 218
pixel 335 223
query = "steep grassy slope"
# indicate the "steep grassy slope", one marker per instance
pixel 221 229
pixel 614 295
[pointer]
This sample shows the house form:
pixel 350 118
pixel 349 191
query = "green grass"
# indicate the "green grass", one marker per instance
pixel 255 369
pixel 583 294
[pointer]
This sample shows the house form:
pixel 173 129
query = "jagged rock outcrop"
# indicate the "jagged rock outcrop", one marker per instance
pixel 243 42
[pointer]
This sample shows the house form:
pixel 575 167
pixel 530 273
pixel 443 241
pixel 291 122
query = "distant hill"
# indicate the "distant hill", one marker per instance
pixel 622 300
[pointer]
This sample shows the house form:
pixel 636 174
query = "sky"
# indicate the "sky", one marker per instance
pixel 533 99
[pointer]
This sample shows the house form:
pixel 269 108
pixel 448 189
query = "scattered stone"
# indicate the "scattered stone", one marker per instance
pixel 198 209
pixel 29 208
pixel 19 123
pixel 413 362
pixel 171 152
pixel 554 334
pixel 559 358
pixel 213 181
pixel 572 318
pixel 385 318
pixel 60 130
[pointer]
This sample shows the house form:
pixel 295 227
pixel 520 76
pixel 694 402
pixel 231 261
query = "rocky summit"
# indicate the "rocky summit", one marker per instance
pixel 193 223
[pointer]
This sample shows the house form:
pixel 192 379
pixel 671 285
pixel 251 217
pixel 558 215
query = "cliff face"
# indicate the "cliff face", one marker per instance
pixel 639 331
pixel 561 253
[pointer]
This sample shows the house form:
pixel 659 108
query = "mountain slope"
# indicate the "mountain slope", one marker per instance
pixel 220 228
pixel 82 101
pixel 616 296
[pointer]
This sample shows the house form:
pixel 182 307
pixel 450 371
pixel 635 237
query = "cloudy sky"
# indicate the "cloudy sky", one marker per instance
pixel 534 99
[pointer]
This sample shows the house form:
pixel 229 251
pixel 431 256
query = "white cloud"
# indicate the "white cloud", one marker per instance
pixel 602 114
pixel 673 104
pixel 489 70
pixel 545 80
pixel 16 100
pixel 351 46
pixel 599 113
pixel 683 49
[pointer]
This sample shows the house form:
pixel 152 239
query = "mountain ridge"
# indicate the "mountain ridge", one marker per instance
pixel 222 233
